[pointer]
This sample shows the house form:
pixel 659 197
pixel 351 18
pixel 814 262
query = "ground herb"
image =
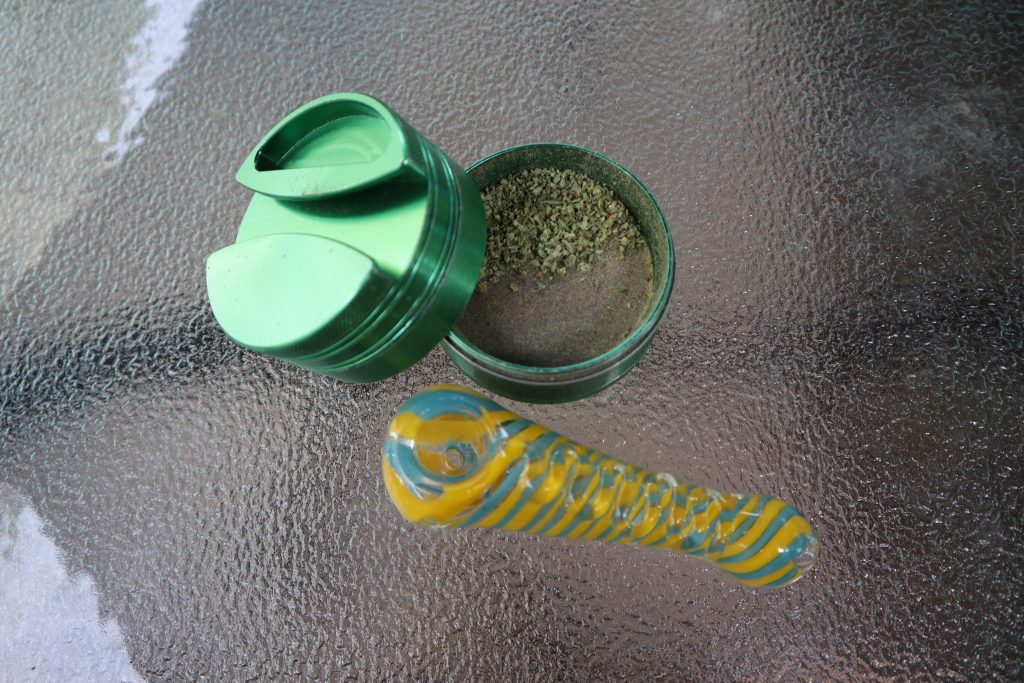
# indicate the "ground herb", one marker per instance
pixel 547 223
pixel 553 221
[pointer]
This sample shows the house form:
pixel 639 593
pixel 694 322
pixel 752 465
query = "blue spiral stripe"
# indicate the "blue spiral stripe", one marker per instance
pixel 785 578
pixel 726 515
pixel 643 503
pixel 507 430
pixel 494 499
pixel 546 508
pixel 531 486
pixel 665 510
pixel 585 513
pixel 781 560
pixel 619 480
pixel 609 534
pixel 691 544
pixel 556 457
pixel 560 514
pixel 748 522
pixel 691 540
pixel 766 535
pixel 680 493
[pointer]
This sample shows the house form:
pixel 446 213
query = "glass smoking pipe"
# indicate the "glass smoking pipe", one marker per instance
pixel 454 458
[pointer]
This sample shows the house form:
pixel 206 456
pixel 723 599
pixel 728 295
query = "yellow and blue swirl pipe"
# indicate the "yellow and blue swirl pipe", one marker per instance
pixel 454 458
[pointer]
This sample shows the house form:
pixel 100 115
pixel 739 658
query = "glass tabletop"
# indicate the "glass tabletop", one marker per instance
pixel 843 187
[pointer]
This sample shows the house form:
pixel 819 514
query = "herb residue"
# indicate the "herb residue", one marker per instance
pixel 554 221
pixel 533 305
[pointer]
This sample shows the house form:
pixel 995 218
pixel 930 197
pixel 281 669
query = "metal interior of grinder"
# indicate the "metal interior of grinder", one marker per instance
pixel 569 281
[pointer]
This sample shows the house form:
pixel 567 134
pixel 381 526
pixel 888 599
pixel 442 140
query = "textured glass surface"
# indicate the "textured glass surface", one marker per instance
pixel 843 185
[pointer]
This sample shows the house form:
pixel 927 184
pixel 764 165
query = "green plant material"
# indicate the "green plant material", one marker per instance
pixel 551 221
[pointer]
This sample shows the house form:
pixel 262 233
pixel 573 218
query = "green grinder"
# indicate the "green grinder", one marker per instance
pixel 360 248
pixel 362 245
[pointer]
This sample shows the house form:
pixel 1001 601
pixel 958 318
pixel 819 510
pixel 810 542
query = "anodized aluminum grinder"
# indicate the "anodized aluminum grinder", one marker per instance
pixel 363 243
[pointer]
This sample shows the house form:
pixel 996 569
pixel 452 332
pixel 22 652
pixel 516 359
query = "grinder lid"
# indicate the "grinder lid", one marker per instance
pixel 344 259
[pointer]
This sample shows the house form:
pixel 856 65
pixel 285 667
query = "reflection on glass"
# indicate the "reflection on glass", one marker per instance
pixel 50 628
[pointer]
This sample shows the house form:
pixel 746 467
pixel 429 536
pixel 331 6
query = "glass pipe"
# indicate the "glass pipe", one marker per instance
pixel 454 458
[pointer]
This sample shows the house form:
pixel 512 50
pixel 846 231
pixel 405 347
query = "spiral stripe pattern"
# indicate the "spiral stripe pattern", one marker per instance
pixel 454 458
